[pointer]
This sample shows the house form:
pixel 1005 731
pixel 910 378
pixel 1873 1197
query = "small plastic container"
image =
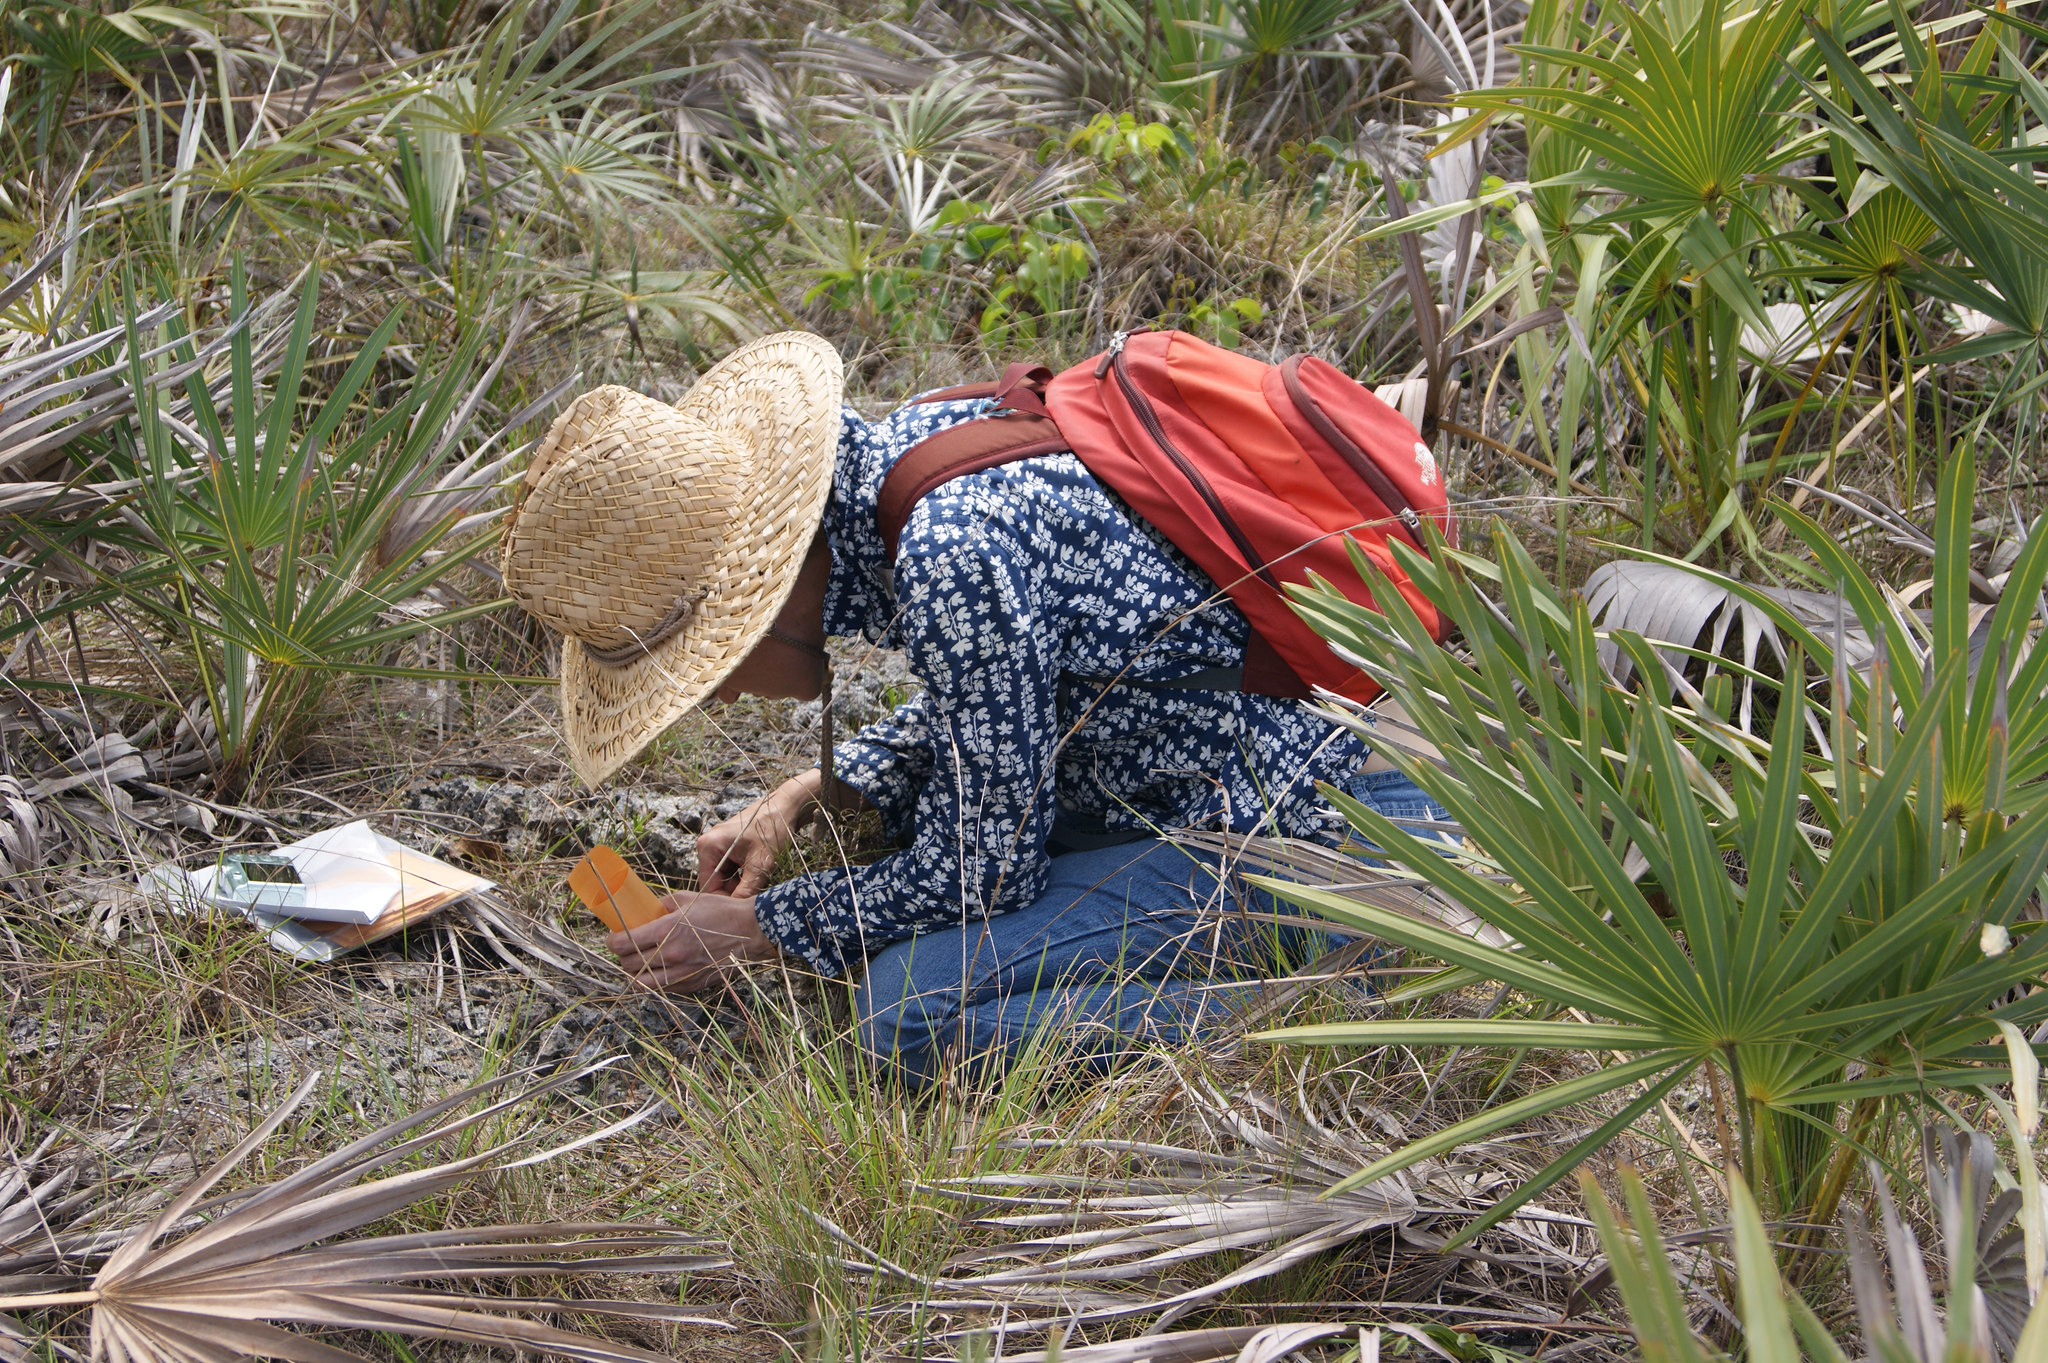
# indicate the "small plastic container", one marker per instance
pixel 609 889
pixel 259 880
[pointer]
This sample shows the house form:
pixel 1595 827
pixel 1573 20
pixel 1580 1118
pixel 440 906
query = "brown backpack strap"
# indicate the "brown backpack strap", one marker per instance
pixel 1266 673
pixel 968 447
pixel 1021 388
pixel 985 389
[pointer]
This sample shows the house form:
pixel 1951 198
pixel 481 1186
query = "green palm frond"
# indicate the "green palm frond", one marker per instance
pixel 1995 215
pixel 1681 125
pixel 1767 907
pixel 601 160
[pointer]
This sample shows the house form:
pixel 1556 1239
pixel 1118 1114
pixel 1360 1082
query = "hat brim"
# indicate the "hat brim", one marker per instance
pixel 779 397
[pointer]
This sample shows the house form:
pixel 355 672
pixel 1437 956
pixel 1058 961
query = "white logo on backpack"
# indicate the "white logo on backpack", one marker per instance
pixel 1426 462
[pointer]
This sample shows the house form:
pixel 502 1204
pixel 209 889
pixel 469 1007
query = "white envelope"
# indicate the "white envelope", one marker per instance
pixel 352 875
pixel 349 877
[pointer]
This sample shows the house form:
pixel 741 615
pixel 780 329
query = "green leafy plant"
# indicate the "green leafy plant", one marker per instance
pixel 67 45
pixel 1224 321
pixel 1964 164
pixel 296 539
pixel 515 90
pixel 1680 125
pixel 1261 32
pixel 1848 893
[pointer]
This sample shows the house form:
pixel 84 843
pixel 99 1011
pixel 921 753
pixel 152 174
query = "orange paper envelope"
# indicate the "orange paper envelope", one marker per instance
pixel 609 889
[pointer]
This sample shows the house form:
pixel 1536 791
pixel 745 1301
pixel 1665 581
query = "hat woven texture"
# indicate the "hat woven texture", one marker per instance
pixel 662 541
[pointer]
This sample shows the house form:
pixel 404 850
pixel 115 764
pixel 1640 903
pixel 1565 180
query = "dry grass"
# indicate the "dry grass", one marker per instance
pixel 858 1218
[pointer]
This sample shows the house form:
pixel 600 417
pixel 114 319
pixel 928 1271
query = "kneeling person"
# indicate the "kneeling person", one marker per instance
pixel 1079 696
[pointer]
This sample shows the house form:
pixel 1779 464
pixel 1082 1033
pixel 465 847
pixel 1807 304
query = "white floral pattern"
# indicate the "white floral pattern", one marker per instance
pixel 1013 588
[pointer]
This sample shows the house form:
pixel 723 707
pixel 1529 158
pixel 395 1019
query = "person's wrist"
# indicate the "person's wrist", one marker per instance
pixel 763 947
pixel 797 798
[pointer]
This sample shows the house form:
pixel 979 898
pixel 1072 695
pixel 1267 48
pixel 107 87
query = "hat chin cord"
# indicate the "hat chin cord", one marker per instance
pixel 678 615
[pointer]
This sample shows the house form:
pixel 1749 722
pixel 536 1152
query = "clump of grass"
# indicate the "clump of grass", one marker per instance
pixel 814 1162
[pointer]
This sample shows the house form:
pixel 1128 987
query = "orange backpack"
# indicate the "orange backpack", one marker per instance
pixel 1259 473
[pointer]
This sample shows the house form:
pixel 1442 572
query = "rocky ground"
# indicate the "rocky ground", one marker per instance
pixel 200 1020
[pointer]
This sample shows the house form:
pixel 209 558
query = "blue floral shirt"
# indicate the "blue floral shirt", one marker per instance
pixel 1012 589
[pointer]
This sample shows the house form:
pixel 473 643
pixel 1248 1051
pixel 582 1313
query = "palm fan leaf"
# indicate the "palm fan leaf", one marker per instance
pixel 1687 613
pixel 1110 1247
pixel 207 1282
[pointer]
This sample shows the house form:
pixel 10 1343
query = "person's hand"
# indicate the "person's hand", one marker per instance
pixel 685 948
pixel 736 857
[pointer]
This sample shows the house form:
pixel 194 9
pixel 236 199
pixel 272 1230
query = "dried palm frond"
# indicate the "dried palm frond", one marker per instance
pixel 1899 532
pixel 1099 1248
pixel 1241 1343
pixel 1081 62
pixel 844 58
pixel 67 1204
pixel 1232 1344
pixel 37 1198
pixel 42 411
pixel 1982 1246
pixel 515 936
pixel 25 833
pixel 209 1281
pixel 1312 863
pixel 1686 611
pixel 440 498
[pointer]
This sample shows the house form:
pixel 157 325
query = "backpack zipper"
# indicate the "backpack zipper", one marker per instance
pixel 1113 358
pixel 1361 463
pixel 1116 348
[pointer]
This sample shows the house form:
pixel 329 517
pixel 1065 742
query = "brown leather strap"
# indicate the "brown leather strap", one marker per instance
pixel 1021 388
pixel 985 389
pixel 1266 673
pixel 969 447
pixel 1361 463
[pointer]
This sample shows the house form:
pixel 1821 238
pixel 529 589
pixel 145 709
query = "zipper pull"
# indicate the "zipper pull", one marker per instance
pixel 1116 345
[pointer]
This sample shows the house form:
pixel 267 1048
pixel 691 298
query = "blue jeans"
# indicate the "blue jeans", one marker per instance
pixel 1127 946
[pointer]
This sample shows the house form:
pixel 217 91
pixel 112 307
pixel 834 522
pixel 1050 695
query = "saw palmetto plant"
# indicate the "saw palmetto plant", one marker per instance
pixel 210 1275
pixel 1926 136
pixel 1823 920
pixel 294 546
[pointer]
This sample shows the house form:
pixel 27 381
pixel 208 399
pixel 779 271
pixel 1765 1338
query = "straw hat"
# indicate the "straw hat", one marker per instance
pixel 662 541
